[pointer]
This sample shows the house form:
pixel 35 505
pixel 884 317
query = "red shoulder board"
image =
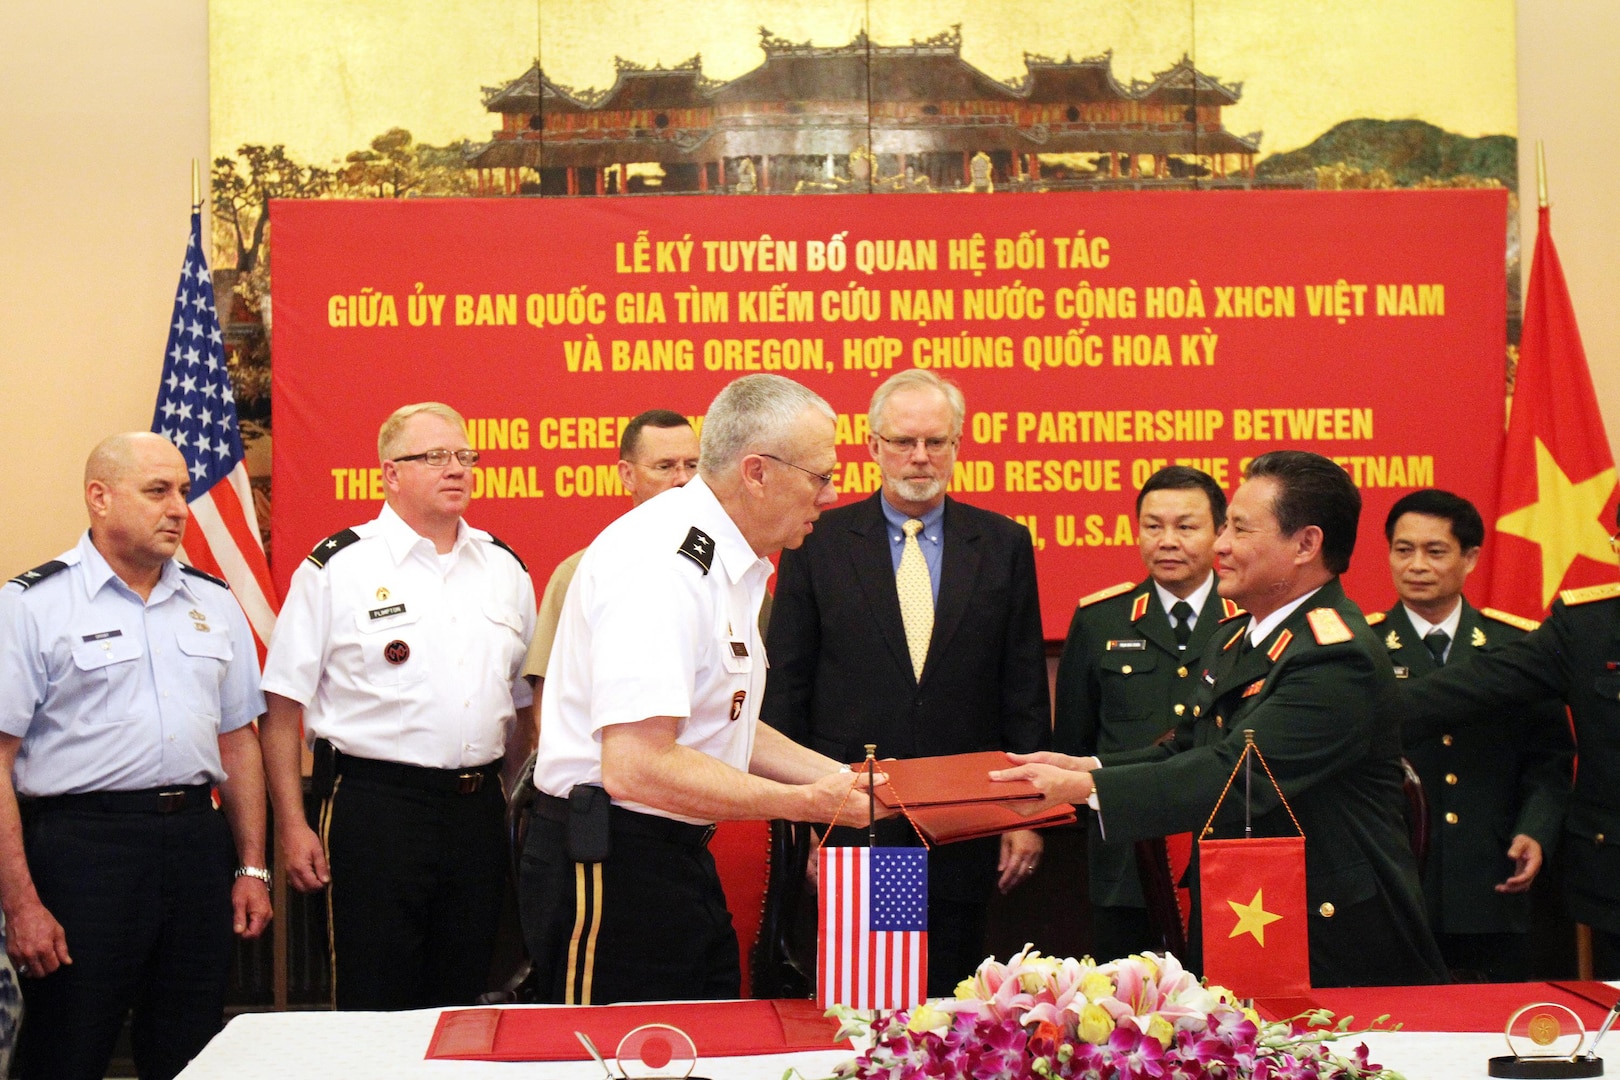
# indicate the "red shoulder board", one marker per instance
pixel 1279 645
pixel 1327 626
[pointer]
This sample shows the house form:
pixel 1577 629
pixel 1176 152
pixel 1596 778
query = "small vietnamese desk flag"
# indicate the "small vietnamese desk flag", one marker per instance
pixel 873 948
pixel 1557 497
pixel 1252 901
pixel 196 411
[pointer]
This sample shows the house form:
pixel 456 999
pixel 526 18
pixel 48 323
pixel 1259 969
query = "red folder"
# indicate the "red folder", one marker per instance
pixel 970 821
pixel 948 781
pixel 717 1028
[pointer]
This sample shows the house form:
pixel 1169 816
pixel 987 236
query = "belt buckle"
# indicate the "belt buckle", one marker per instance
pixel 469 782
pixel 708 834
pixel 170 802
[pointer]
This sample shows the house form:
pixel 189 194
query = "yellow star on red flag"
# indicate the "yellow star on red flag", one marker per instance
pixel 1565 521
pixel 1252 918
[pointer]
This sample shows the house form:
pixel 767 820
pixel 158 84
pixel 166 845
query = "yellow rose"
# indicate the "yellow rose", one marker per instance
pixel 1159 1028
pixel 968 988
pixel 1095 985
pixel 1095 1024
pixel 927 1018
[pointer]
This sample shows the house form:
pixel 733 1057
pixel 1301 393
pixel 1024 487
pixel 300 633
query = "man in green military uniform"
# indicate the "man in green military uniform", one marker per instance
pixel 1128 671
pixel 1307 675
pixel 1573 656
pixel 1496 790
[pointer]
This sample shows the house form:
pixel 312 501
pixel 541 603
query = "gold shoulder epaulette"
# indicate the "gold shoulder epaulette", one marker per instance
pixel 1520 621
pixel 1571 597
pixel 1327 626
pixel 1106 594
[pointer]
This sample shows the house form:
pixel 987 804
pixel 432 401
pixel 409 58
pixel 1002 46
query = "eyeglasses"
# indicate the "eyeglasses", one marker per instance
pixel 934 444
pixel 823 478
pixel 438 459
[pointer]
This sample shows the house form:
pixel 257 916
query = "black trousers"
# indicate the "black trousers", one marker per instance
pixel 417 882
pixel 145 902
pixel 653 924
pixel 1118 932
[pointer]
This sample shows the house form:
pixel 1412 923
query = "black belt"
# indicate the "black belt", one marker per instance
pixel 419 777
pixel 631 823
pixel 159 800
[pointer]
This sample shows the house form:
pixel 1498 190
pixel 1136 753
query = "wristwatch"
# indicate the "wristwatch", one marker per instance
pixel 254 872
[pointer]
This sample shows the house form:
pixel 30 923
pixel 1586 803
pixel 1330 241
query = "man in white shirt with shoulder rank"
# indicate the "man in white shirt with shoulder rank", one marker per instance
pixel 400 644
pixel 652 704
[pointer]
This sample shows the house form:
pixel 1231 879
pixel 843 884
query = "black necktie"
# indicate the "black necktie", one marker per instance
pixel 1436 641
pixel 1181 620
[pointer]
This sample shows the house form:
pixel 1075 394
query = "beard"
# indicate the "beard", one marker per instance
pixel 918 489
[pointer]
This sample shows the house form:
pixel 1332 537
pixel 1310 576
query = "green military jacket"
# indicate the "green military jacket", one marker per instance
pixel 1485 783
pixel 1319 693
pixel 1122 684
pixel 1574 656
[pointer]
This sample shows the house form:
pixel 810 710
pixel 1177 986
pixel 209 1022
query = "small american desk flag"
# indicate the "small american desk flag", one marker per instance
pixel 874 927
pixel 196 411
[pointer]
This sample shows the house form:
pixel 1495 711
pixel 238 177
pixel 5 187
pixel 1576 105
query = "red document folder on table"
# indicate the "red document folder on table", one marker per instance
pixel 717 1028
pixel 948 781
pixel 970 821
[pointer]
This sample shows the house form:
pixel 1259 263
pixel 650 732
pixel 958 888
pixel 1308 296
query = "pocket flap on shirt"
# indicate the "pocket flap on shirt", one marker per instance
pixel 504 615
pixel 92 655
pixel 204 643
pixel 384 617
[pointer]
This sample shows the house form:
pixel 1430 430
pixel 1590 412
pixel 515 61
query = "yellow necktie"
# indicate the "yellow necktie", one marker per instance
pixel 916 591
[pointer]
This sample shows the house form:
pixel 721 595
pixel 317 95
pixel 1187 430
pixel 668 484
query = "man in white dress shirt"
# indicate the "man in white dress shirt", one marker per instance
pixel 400 644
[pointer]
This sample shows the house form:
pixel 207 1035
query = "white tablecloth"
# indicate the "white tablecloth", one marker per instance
pixel 389 1046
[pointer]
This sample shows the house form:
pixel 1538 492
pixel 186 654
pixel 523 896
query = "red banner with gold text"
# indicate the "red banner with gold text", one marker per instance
pixel 1096 336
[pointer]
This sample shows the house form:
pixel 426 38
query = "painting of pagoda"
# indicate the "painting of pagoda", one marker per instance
pixel 863 117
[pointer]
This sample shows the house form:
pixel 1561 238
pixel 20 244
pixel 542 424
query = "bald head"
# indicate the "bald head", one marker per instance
pixel 117 455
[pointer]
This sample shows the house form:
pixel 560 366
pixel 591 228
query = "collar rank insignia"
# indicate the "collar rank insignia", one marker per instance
pixel 1230 610
pixel 1253 688
pixel 699 547
pixel 1327 626
pixel 1477 638
pixel 1279 645
pixel 1235 638
pixel 1139 606
pixel 1392 641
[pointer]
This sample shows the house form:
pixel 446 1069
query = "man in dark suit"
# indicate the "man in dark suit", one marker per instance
pixel 1496 790
pixel 911 621
pixel 1128 671
pixel 1307 675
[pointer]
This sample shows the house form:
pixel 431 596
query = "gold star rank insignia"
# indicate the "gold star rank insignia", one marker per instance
pixel 1392 641
pixel 1477 640
pixel 1253 918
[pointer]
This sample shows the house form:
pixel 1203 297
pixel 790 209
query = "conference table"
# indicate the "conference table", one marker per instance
pixel 392 1046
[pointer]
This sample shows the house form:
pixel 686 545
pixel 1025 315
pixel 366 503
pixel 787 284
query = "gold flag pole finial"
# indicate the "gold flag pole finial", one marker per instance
pixel 196 185
pixel 1541 175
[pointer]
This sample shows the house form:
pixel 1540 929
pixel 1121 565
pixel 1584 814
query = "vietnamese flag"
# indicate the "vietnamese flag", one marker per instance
pixel 1252 903
pixel 1557 496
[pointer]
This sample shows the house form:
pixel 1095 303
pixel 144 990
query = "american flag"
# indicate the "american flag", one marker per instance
pixel 196 411
pixel 874 927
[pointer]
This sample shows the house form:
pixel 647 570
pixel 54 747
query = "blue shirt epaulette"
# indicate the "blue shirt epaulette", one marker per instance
pixel 29 578
pixel 194 572
pixel 331 546
pixel 699 547
pixel 504 546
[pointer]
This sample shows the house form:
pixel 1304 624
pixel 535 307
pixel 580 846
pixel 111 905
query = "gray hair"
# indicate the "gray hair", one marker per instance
pixel 752 415
pixel 918 379
pixel 388 434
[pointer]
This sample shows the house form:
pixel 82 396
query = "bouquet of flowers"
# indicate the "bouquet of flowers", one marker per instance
pixel 1063 1019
